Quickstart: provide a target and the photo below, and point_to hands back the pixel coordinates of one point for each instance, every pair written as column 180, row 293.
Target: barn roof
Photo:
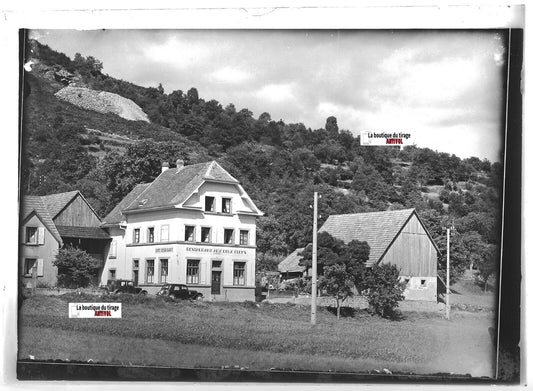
column 291, row 263
column 82, row 232
column 172, row 187
column 55, row 203
column 49, row 206
column 378, row 229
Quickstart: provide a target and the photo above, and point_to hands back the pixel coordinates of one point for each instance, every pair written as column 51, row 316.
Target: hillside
column 280, row 165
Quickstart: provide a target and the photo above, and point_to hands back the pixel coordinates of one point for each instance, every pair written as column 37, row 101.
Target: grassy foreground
column 255, row 336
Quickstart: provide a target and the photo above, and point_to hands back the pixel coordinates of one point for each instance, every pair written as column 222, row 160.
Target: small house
column 290, row 268
column 50, row 222
column 397, row 237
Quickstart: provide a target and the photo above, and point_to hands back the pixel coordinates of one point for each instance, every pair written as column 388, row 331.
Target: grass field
column 255, row 336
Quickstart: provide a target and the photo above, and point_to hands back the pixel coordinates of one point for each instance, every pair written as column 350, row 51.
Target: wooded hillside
column 280, row 165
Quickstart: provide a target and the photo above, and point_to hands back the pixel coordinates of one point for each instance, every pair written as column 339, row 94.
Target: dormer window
column 226, row 205
column 209, row 204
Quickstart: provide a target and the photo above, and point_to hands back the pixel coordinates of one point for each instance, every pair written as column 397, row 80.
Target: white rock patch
column 102, row 102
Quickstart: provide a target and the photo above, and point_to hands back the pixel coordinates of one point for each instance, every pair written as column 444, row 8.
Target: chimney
column 164, row 167
column 179, row 164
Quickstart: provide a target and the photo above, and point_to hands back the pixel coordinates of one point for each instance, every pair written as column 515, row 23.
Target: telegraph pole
column 448, row 273
column 313, row 265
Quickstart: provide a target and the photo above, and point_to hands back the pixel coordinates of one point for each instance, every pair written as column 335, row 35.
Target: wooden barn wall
column 413, row 252
column 77, row 214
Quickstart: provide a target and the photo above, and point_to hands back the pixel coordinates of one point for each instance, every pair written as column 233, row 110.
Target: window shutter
column 40, row 235
column 40, row 267
column 113, row 249
column 202, row 271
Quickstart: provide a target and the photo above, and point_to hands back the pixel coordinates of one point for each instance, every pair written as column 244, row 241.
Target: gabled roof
column 49, row 206
column 55, row 203
column 116, row 216
column 173, row 187
column 35, row 205
column 291, row 263
column 378, row 229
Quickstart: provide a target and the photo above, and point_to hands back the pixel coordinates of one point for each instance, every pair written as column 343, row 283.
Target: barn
column 50, row 222
column 397, row 237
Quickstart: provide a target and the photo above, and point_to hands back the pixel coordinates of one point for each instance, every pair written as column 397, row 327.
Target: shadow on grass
column 350, row 312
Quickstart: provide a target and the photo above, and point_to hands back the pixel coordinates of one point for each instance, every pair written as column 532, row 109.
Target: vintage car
column 123, row 286
column 179, row 291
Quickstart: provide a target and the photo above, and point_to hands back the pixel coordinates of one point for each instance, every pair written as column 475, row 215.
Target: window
column 189, row 233
column 149, row 271
column 228, row 236
column 31, row 235
column 243, row 237
column 226, row 205
column 164, row 270
column 238, row 273
column 112, row 274
column 136, row 235
column 193, row 268
column 113, row 249
column 164, row 233
column 29, row 265
column 32, row 265
column 206, row 235
column 209, row 204
column 150, row 234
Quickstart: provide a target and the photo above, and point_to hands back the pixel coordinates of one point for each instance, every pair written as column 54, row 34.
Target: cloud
column 177, row 52
column 276, row 92
column 229, row 75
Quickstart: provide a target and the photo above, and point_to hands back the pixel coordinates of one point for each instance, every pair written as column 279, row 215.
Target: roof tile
column 378, row 229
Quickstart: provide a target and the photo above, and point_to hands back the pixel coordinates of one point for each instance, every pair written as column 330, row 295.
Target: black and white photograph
column 270, row 205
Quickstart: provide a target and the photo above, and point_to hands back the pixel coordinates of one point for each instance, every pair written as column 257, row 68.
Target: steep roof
column 116, row 216
column 55, row 203
column 35, row 204
column 378, row 229
column 290, row 264
column 174, row 186
column 49, row 206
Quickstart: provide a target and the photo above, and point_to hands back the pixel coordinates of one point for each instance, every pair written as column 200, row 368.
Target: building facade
column 50, row 222
column 192, row 225
column 396, row 237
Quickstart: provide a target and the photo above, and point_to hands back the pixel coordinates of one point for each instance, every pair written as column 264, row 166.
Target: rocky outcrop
column 102, row 102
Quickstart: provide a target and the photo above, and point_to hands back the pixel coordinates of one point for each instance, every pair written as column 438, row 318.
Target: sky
column 445, row 88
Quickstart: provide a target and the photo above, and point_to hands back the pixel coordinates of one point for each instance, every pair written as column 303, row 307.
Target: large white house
column 193, row 225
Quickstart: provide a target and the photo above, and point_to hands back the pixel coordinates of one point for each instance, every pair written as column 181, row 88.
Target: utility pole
column 448, row 273
column 313, row 265
column 448, row 229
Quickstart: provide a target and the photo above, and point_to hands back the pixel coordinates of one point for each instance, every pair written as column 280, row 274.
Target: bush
column 75, row 268
column 383, row 289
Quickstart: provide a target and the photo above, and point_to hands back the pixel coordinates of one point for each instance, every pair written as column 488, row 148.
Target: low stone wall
column 62, row 291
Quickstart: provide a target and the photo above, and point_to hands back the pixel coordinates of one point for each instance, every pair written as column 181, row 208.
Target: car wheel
column 144, row 293
column 199, row 298
column 118, row 292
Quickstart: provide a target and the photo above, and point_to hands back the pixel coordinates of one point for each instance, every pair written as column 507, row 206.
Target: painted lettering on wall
column 215, row 250
column 164, row 250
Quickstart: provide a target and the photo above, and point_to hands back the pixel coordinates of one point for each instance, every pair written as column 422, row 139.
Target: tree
column 338, row 282
column 383, row 289
column 75, row 267
column 488, row 265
